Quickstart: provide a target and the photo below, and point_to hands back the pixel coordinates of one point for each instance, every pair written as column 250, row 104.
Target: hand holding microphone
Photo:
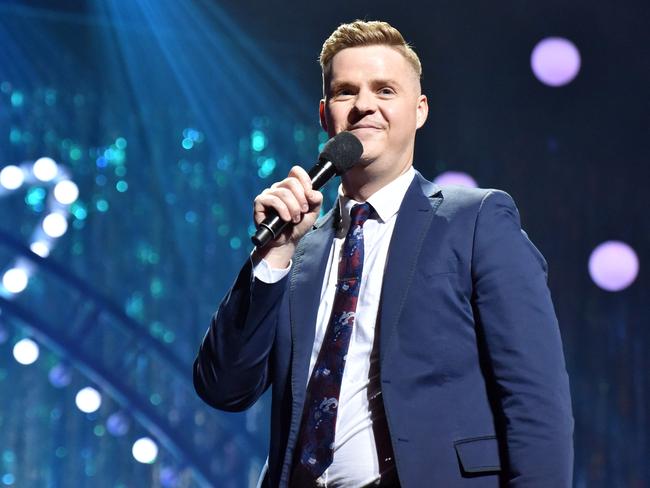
column 284, row 212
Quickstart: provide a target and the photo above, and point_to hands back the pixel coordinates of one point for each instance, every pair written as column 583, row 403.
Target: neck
column 360, row 182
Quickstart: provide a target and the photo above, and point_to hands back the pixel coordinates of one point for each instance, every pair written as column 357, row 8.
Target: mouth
column 364, row 127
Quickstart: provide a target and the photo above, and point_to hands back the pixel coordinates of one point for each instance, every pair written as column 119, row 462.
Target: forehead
column 356, row 64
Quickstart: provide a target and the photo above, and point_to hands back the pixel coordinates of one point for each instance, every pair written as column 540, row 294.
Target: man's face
column 373, row 92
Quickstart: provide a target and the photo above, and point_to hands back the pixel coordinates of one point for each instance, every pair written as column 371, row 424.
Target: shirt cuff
column 263, row 271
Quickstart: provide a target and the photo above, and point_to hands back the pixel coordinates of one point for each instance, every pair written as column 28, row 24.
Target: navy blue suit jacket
column 472, row 371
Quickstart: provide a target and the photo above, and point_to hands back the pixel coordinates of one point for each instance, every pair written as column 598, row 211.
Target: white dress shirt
column 355, row 462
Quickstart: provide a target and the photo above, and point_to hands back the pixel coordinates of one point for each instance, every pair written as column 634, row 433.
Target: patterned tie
column 316, row 440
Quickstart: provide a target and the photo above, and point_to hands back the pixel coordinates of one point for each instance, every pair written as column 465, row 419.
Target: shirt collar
column 385, row 201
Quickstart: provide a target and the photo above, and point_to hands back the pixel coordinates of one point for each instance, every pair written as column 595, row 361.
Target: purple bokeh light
column 60, row 376
column 613, row 265
column 455, row 178
column 118, row 424
column 169, row 477
column 555, row 61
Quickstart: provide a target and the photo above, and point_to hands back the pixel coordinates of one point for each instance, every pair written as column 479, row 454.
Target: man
column 408, row 335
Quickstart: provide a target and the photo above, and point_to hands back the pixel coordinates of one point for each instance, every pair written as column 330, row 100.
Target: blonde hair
column 367, row 33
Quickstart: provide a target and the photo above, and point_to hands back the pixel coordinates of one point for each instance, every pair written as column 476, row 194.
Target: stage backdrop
column 135, row 134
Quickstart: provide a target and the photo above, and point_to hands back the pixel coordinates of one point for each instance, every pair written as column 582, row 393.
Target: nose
column 365, row 102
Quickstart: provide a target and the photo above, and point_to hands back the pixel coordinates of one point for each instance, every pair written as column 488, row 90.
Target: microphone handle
column 272, row 226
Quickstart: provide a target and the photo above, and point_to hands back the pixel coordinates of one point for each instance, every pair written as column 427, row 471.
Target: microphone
column 340, row 154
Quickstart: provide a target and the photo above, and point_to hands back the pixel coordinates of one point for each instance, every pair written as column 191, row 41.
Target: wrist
column 277, row 257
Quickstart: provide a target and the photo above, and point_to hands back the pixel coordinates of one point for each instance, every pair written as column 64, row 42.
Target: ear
column 422, row 111
column 321, row 113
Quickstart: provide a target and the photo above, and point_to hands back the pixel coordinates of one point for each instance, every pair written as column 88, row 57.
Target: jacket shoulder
column 456, row 198
column 460, row 200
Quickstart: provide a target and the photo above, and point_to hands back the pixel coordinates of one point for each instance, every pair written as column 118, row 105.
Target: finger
column 315, row 198
column 290, row 200
column 298, row 191
column 266, row 201
column 303, row 177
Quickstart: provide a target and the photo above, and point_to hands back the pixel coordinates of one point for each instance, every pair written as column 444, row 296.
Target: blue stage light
column 60, row 376
column 118, row 424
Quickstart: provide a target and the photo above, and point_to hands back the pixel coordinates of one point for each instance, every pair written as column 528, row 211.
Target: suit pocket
column 478, row 454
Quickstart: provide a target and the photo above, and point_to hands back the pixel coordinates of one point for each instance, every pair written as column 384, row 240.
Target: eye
column 386, row 90
column 343, row 92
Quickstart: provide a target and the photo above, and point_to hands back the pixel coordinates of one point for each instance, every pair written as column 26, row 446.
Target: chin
column 367, row 160
column 371, row 150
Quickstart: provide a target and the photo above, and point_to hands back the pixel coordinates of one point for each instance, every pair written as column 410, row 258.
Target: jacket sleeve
column 519, row 329
column 231, row 370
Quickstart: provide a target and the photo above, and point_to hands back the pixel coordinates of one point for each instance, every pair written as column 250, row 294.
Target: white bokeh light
column 15, row 280
column 11, row 177
column 55, row 225
column 613, row 265
column 66, row 192
column 26, row 351
column 45, row 169
column 88, row 400
column 41, row 248
column 555, row 61
column 145, row 450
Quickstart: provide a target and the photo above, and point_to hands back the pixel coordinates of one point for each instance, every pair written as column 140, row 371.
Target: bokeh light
column 555, row 61
column 66, row 192
column 145, row 450
column 455, row 178
column 26, row 351
column 15, row 280
column 88, row 400
column 118, row 424
column 613, row 265
column 55, row 224
column 8, row 479
column 45, row 169
column 258, row 140
column 60, row 376
column 11, row 177
column 169, row 477
column 41, row 248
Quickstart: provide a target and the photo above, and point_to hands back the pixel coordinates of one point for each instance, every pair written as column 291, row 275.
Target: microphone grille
column 343, row 151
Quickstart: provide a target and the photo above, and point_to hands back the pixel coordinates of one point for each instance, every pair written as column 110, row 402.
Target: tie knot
column 359, row 214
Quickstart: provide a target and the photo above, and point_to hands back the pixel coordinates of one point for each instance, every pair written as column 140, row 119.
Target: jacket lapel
column 413, row 221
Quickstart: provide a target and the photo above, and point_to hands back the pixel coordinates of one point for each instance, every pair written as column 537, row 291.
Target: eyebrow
column 337, row 85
